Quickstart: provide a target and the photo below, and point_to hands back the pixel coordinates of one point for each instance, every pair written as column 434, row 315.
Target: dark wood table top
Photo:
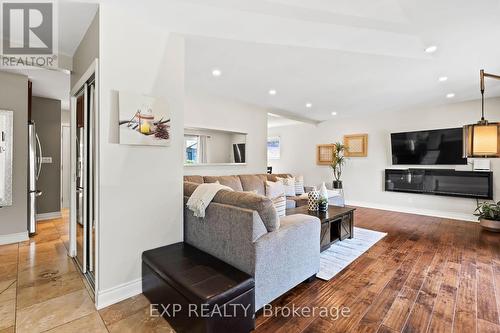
column 332, row 213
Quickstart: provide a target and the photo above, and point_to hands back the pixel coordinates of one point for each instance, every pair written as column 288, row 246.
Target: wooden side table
column 337, row 223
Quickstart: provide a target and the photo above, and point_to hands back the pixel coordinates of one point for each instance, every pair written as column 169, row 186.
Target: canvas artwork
column 144, row 120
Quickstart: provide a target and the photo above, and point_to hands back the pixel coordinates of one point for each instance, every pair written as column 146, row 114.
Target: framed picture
column 143, row 120
column 273, row 148
column 357, row 145
column 324, row 154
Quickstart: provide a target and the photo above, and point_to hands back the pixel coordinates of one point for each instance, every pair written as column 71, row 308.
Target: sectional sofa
column 241, row 227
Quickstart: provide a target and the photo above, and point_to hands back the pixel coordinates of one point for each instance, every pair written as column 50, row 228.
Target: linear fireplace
column 465, row 184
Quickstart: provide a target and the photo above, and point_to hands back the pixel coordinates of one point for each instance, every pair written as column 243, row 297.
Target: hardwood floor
column 427, row 275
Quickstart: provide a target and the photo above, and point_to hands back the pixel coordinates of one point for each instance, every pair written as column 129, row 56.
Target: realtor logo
column 28, row 33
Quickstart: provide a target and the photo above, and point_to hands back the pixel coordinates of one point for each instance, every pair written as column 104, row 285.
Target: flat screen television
column 433, row 147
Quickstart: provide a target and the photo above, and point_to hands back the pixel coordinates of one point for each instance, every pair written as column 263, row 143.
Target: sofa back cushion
column 274, row 176
column 264, row 206
column 230, row 181
column 194, row 179
column 253, row 183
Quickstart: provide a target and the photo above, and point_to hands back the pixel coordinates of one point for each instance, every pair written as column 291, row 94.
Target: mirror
column 203, row 146
column 6, row 118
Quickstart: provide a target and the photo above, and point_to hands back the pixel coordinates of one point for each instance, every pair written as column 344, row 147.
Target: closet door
column 81, row 180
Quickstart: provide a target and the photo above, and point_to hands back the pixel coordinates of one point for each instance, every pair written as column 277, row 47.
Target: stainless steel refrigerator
column 34, row 169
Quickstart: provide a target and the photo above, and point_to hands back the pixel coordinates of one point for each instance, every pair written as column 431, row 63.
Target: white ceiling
column 274, row 120
column 74, row 20
column 347, row 56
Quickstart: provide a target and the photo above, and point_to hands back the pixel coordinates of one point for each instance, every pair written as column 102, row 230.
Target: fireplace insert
column 465, row 184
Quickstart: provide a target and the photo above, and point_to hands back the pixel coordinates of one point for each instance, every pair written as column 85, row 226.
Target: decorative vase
column 337, row 184
column 323, row 192
column 323, row 206
column 490, row 225
column 313, row 197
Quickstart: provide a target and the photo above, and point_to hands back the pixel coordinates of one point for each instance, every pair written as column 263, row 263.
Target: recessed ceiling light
column 272, row 92
column 309, row 105
column 431, row 49
column 443, row 78
column 450, row 95
column 334, row 113
column 216, row 72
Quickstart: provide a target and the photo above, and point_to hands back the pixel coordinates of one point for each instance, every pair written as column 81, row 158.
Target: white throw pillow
column 274, row 189
column 299, row 185
column 289, row 185
column 280, row 205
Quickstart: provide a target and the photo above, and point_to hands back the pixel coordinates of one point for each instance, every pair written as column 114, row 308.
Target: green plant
column 338, row 159
column 322, row 201
column 488, row 210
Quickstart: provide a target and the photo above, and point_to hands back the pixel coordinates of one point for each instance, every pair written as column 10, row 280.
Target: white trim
column 213, row 164
column 97, row 175
column 84, row 78
column 61, row 165
column 48, row 216
column 14, row 238
column 118, row 293
column 412, row 210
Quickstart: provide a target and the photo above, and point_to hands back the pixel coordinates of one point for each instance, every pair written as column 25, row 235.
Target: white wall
column 364, row 177
column 208, row 111
column 140, row 187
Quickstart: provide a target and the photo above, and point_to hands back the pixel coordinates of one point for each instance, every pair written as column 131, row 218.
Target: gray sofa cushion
column 253, row 183
column 230, row 181
column 274, row 177
column 194, row 179
column 264, row 206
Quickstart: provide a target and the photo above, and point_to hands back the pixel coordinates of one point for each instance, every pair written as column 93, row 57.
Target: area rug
column 342, row 253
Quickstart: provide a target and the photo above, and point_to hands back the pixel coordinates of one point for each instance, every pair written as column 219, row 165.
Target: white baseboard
column 411, row 210
column 118, row 293
column 48, row 216
column 14, row 238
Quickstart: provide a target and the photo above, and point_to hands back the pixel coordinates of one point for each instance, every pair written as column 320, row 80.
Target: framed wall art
column 357, row 145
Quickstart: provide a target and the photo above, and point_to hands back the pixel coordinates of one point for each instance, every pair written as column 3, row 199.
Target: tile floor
column 41, row 290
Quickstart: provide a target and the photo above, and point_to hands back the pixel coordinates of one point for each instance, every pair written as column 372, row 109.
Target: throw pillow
column 274, row 189
column 299, row 185
column 280, row 205
column 289, row 185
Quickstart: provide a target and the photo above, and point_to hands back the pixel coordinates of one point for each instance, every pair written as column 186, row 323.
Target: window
column 273, row 148
column 191, row 144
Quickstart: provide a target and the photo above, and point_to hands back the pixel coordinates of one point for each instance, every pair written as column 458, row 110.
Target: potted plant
column 489, row 215
column 338, row 161
column 322, row 204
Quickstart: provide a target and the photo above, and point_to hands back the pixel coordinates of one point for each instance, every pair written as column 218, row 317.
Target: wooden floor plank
column 444, row 309
column 465, row 310
column 486, row 300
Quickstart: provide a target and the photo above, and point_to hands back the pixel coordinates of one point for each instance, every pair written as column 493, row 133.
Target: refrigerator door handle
column 39, row 158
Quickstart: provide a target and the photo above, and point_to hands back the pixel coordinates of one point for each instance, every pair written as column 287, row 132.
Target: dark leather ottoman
column 196, row 292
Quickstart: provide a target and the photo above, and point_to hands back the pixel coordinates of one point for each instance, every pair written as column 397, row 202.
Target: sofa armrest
column 287, row 256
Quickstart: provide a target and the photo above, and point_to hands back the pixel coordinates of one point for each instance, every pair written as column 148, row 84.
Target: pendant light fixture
column 483, row 138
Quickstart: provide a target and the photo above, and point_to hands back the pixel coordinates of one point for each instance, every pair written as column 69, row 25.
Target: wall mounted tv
column 433, row 147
